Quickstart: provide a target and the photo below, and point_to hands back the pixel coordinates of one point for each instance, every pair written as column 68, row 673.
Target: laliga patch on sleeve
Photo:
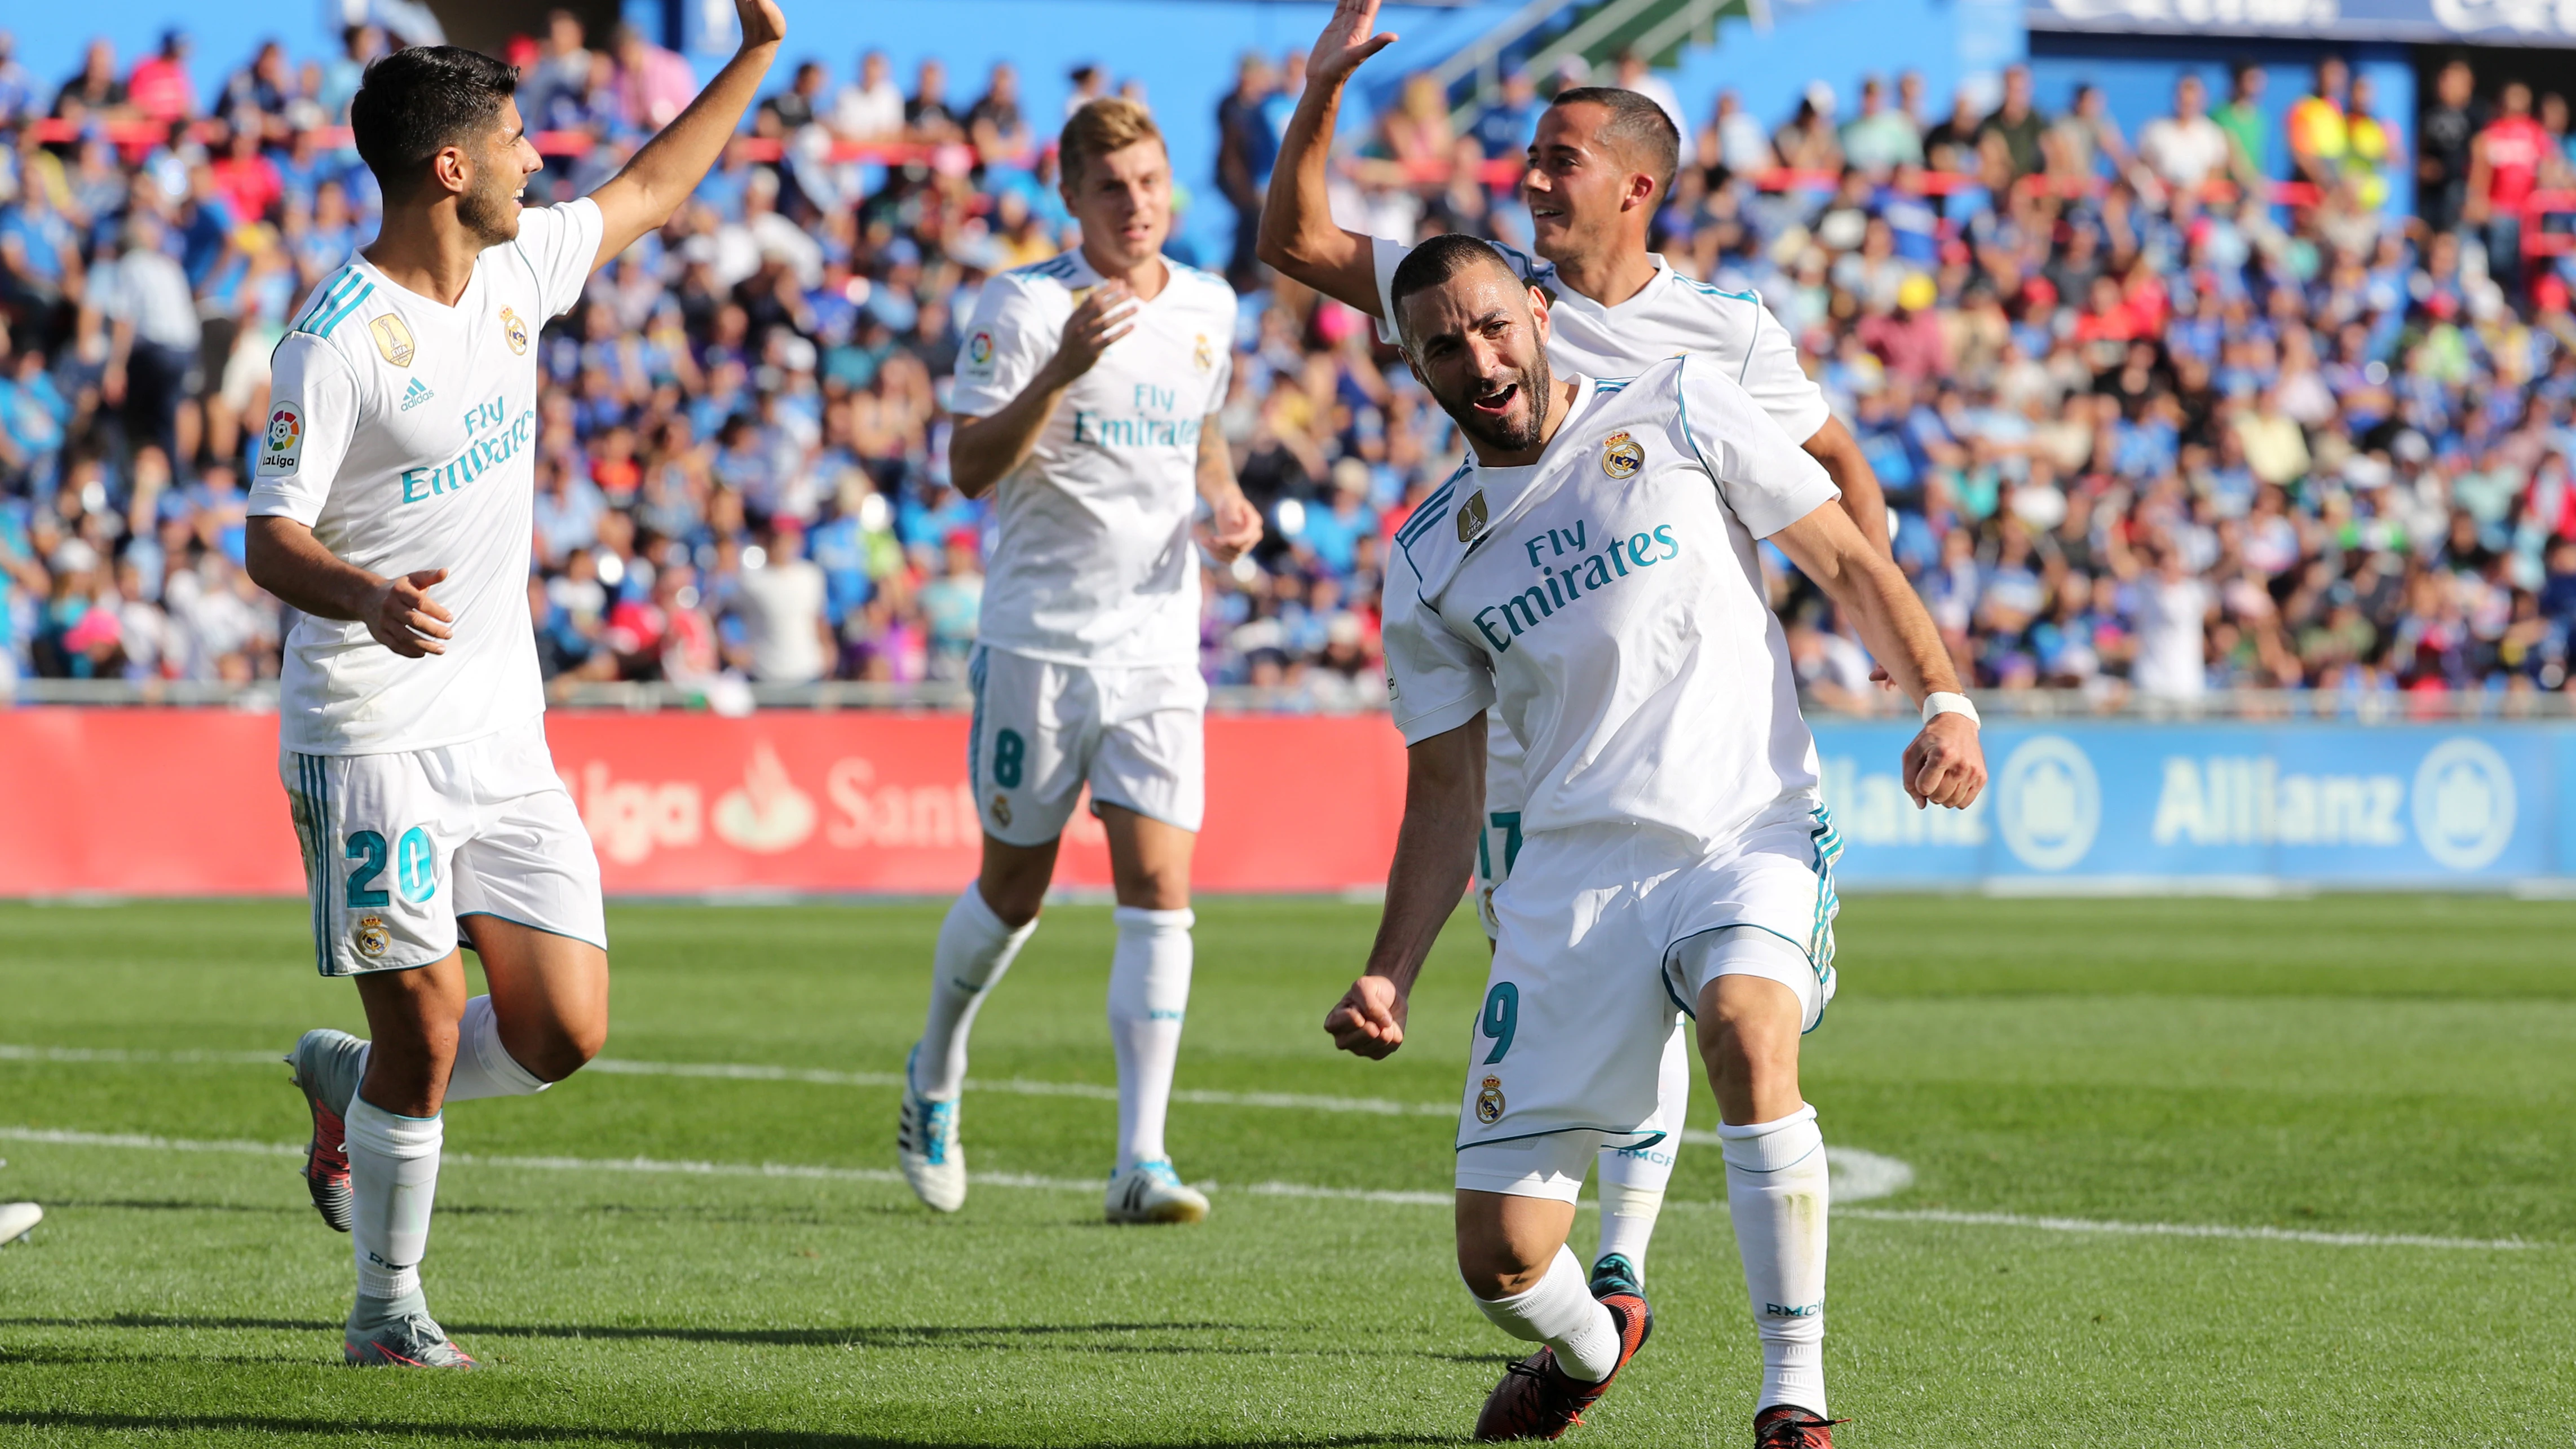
column 281, row 446
column 977, row 360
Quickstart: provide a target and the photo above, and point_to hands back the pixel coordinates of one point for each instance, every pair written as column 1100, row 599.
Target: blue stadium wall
column 2087, row 807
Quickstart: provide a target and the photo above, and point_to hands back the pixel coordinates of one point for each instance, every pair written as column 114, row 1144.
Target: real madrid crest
column 393, row 339
column 371, row 938
column 1621, row 455
column 1489, row 1102
column 1002, row 809
column 1204, row 355
column 514, row 331
column 1472, row 516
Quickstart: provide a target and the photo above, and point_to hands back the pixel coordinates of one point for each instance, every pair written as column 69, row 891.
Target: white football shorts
column 1042, row 730
column 1608, row 936
column 398, row 846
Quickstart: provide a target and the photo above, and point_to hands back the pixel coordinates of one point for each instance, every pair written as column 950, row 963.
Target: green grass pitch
column 2393, row 1070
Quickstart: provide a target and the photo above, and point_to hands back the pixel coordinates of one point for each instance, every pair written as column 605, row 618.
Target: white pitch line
column 2189, row 1230
column 758, row 1072
column 61, row 1137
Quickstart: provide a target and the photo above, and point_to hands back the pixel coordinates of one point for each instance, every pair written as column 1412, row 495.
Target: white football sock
column 393, row 1173
column 1562, row 1313
column 1633, row 1178
column 1776, row 1193
column 1149, row 994
column 975, row 948
column 484, row 1067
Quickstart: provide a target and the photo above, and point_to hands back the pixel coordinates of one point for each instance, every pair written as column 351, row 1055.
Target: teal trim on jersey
column 1425, row 515
column 1604, row 386
column 316, row 875
column 328, row 297
column 524, row 925
column 1681, row 400
column 1711, row 289
column 323, row 328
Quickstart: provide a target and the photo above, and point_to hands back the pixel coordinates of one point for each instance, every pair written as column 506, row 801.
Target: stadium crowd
column 2157, row 414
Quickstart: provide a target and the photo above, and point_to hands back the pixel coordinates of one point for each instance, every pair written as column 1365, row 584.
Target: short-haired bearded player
column 1086, row 399
column 1601, row 164
column 1591, row 575
column 390, row 504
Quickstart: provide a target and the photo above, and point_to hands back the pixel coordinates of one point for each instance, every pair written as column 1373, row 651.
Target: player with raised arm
column 391, row 505
column 1601, row 164
column 1591, row 575
column 1086, row 399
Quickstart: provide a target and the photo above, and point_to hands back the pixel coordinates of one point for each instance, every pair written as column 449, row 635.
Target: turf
column 2374, row 1066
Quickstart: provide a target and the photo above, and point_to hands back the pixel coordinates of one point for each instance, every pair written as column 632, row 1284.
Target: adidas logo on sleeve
column 416, row 394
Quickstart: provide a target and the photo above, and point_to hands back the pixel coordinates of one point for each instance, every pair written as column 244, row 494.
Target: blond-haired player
column 1085, row 397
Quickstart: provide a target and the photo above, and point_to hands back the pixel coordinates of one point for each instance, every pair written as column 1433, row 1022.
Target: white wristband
column 1949, row 704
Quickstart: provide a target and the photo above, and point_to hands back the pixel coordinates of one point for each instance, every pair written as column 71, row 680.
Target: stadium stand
column 2157, row 418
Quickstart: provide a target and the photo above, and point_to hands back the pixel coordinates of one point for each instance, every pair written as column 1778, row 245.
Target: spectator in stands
column 2504, row 169
column 160, row 89
column 2374, row 147
column 653, row 84
column 797, row 107
column 2184, row 151
column 994, row 123
column 153, row 336
column 1245, row 150
column 2450, row 128
column 1634, row 74
column 1089, row 83
column 2086, row 141
column 871, row 107
column 1881, row 138
column 778, row 602
column 2243, row 120
column 1808, row 142
column 2319, row 136
column 1504, row 128
column 17, row 85
column 1734, row 138
column 926, row 116
column 2018, row 124
column 93, row 90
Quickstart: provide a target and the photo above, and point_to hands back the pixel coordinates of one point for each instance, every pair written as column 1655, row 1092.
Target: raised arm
column 1945, row 765
column 1297, row 231
column 659, row 177
column 1435, row 847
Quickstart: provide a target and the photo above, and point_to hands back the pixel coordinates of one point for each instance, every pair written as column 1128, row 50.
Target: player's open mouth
column 1496, row 403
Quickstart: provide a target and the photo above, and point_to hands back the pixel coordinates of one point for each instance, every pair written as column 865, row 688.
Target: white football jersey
column 1607, row 600
column 1095, row 563
column 1670, row 317
column 403, row 433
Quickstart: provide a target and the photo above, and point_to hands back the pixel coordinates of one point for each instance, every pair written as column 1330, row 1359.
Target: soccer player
column 18, row 1219
column 1086, row 398
column 1591, row 574
column 390, row 505
column 1601, row 163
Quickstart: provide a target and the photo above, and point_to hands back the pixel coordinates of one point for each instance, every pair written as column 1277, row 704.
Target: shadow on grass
column 340, row 1430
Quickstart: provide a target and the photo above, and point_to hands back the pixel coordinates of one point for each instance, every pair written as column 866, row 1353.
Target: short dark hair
column 1638, row 127
column 1435, row 262
column 415, row 103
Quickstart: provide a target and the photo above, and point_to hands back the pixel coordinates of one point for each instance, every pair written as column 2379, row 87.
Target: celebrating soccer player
column 1591, row 574
column 1600, row 166
column 1086, row 396
column 391, row 506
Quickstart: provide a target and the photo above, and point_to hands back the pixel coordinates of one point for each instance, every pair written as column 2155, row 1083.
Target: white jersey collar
column 1502, row 494
column 1564, row 294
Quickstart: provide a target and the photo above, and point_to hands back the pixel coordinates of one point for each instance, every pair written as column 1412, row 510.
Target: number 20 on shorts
column 1501, row 1017
column 415, row 868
